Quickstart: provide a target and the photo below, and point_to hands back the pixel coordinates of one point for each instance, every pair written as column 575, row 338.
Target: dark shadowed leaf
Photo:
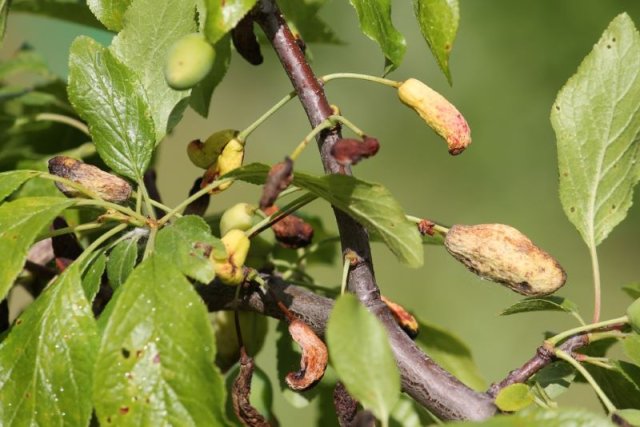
column 122, row 260
column 202, row 92
column 46, row 361
column 93, row 276
column 155, row 363
column 596, row 119
column 10, row 181
column 555, row 378
column 361, row 355
column 223, row 16
column 621, row 384
column 68, row 10
column 20, row 223
column 303, row 16
column 110, row 12
column 632, row 289
column 438, row 21
column 109, row 97
column 546, row 418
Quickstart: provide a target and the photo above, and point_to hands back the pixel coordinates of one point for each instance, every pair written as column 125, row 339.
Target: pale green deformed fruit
column 205, row 154
column 189, row 60
column 238, row 217
column 633, row 313
column 502, row 254
column 441, row 115
column 230, row 267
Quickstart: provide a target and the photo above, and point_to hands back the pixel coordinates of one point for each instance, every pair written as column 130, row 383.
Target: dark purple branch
column 422, row 378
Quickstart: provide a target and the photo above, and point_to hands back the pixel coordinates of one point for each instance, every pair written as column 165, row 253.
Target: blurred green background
column 509, row 61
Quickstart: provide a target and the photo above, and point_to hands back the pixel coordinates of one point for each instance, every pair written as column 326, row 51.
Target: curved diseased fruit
column 230, row 267
column 205, row 154
column 104, row 185
column 239, row 217
column 189, row 60
column 314, row 356
column 230, row 158
column 440, row 114
column 502, row 254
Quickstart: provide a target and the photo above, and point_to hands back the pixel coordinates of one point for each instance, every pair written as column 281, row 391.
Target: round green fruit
column 238, row 217
column 189, row 60
column 633, row 313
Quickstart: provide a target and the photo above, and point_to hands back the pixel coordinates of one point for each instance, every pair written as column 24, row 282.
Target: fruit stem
column 52, row 117
column 148, row 249
column 157, row 204
column 147, row 200
column 268, row 221
column 72, row 229
column 587, row 376
column 595, row 267
column 242, row 136
column 358, row 76
column 566, row 334
column 346, row 260
column 176, row 211
column 100, row 240
column 329, row 122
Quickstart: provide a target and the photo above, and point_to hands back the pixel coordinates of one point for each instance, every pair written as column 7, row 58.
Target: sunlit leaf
column 548, row 303
column 361, row 355
column 10, row 181
column 110, row 12
column 631, row 345
column 46, row 361
column 109, row 97
column 514, row 397
column 223, row 16
column 438, row 21
column 122, row 260
column 155, row 363
column 596, row 118
column 20, row 223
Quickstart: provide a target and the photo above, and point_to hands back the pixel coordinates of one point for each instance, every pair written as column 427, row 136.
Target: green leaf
column 514, row 397
column 186, row 244
column 20, row 223
column 375, row 23
column 372, row 205
column 202, row 92
column 142, row 46
column 438, row 21
column 92, row 278
column 68, row 10
column 549, row 303
column 10, row 181
column 632, row 289
column 155, row 367
column 223, row 16
column 596, row 118
column 4, row 12
column 361, row 355
column 451, row 353
column 109, row 97
column 303, row 15
column 47, row 359
column 632, row 416
column 122, row 260
column 110, row 12
column 25, row 61
column 621, row 384
column 631, row 345
column 407, row 413
column 547, row 418
column 555, row 378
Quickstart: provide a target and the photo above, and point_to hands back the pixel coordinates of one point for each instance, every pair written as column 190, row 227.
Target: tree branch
column 422, row 378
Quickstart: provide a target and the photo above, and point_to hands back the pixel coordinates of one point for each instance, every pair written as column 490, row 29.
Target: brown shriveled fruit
column 104, row 185
column 502, row 254
column 403, row 318
column 279, row 178
column 291, row 231
column 349, row 151
column 314, row 357
column 345, row 405
column 241, row 392
column 246, row 42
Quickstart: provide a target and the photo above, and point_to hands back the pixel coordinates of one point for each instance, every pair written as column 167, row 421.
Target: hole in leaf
column 572, row 209
column 608, row 46
column 125, row 353
column 139, row 353
column 613, row 207
column 109, row 420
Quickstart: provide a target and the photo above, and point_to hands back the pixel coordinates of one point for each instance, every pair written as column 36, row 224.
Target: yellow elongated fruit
column 633, row 313
column 442, row 116
column 205, row 154
column 229, row 268
column 239, row 216
column 188, row 61
column 502, row 254
column 230, row 158
column 104, row 185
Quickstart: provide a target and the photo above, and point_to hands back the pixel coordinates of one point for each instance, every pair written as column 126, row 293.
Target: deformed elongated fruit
column 188, row 61
column 239, row 216
column 230, row 158
column 205, row 154
column 104, row 185
column 442, row 116
column 633, row 313
column 230, row 267
column 502, row 254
